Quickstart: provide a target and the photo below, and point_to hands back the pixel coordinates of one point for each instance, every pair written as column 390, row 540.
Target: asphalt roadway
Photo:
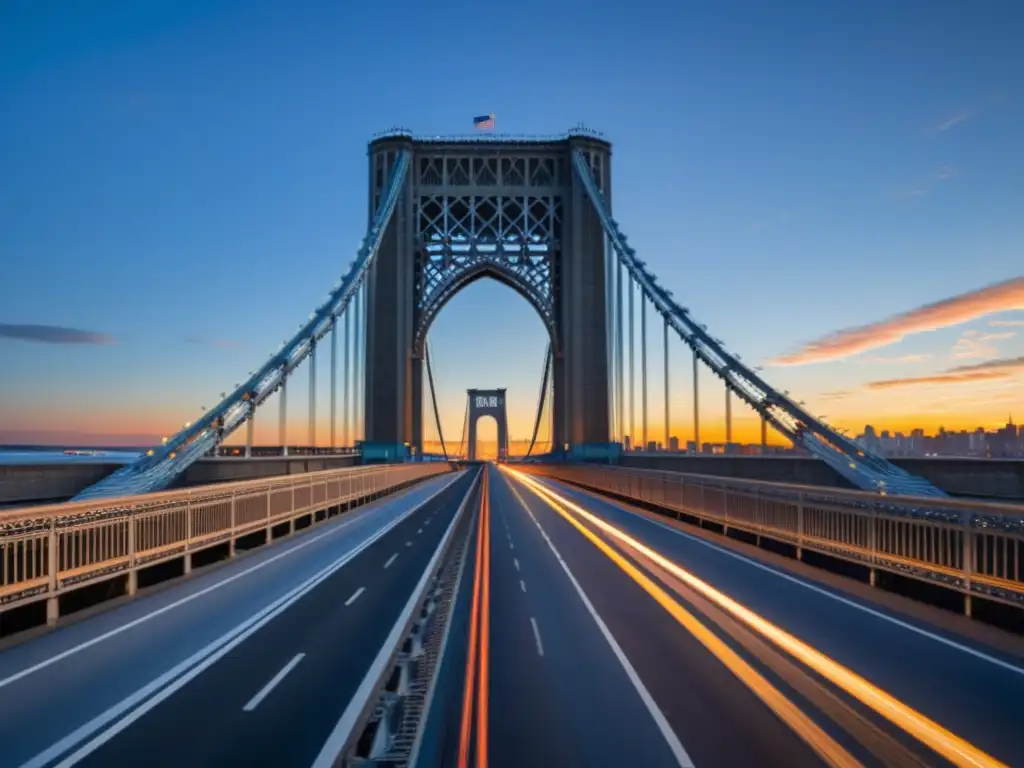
column 592, row 666
column 250, row 664
column 591, row 633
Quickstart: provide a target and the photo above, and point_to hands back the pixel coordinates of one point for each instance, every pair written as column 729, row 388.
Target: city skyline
column 184, row 182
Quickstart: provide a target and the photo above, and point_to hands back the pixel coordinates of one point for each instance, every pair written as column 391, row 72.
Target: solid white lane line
column 536, row 636
column 829, row 594
column 391, row 560
column 180, row 675
column 676, row 746
column 515, row 561
column 255, row 700
column 344, row 727
column 522, row 585
column 205, row 591
column 355, row 596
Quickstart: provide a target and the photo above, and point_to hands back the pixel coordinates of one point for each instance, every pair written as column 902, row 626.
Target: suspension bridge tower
column 487, row 402
column 509, row 209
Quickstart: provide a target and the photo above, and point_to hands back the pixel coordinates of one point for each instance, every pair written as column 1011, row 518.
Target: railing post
column 291, row 508
column 270, row 499
column 133, row 574
column 968, row 555
column 800, row 525
column 234, row 524
column 53, row 564
column 725, row 511
column 758, row 520
column 188, row 536
column 873, row 543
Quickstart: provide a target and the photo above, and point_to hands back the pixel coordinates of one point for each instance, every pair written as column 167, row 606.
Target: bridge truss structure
column 162, row 465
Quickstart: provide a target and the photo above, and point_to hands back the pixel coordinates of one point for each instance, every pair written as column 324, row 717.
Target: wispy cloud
column 1006, row 323
column 53, row 334
column 1003, row 368
column 219, row 343
column 922, row 358
column 953, row 120
column 999, row 297
column 945, row 173
column 975, row 346
column 838, row 394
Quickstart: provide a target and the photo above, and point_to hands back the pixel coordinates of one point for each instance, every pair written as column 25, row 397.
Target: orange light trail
column 934, row 736
column 485, row 624
column 824, row 745
column 467, row 694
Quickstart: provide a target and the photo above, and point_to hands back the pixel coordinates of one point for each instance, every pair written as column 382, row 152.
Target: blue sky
column 196, row 170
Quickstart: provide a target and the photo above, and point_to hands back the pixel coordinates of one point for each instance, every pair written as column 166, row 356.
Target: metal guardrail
column 974, row 548
column 388, row 727
column 50, row 550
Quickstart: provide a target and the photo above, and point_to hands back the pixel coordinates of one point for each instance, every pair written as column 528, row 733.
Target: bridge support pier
column 52, row 610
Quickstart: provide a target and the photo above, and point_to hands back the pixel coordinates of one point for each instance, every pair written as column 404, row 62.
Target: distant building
column 1005, row 442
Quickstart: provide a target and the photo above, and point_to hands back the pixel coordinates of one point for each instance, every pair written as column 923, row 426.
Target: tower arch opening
column 486, row 335
column 486, row 445
column 512, row 210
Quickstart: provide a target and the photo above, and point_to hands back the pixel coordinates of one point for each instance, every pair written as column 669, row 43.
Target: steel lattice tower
column 515, row 211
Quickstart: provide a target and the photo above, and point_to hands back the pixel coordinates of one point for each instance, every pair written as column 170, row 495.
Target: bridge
column 576, row 607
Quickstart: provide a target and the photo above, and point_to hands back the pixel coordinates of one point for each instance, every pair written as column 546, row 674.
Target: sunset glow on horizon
column 186, row 183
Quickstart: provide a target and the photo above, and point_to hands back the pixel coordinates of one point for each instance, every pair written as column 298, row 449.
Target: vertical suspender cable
column 618, row 351
column 312, row 396
column 282, row 425
column 668, row 417
column 346, row 379
column 334, row 384
column 632, row 377
column 358, row 404
column 433, row 398
column 643, row 370
column 541, row 398
column 465, row 423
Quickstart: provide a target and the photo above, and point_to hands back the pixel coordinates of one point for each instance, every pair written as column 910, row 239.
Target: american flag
column 484, row 123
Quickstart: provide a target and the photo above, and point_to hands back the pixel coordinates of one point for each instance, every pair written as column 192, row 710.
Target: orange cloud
column 923, row 358
column 838, row 394
column 994, row 369
column 999, row 297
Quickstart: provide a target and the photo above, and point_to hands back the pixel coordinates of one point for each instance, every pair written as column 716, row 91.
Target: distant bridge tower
column 487, row 402
column 512, row 210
